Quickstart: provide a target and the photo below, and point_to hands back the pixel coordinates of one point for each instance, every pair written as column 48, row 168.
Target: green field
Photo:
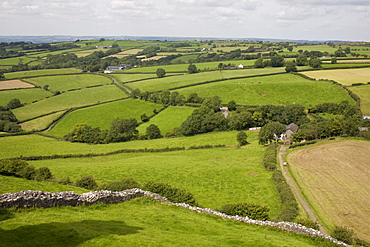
column 189, row 79
column 128, row 43
column 35, row 145
column 68, row 100
column 102, row 115
column 168, row 119
column 68, row 82
column 277, row 90
column 125, row 77
column 41, row 122
column 31, row 73
column 16, row 60
column 364, row 93
column 26, row 96
column 139, row 222
column 214, row 176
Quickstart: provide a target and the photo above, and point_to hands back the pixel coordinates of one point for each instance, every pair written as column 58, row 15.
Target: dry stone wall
column 30, row 198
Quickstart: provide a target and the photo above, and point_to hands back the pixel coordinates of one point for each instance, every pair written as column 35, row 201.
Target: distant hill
column 62, row 38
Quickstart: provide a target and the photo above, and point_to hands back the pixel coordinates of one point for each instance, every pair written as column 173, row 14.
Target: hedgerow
column 253, row 211
column 269, row 159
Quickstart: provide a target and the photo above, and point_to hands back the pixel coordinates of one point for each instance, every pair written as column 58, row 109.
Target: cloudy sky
column 286, row 19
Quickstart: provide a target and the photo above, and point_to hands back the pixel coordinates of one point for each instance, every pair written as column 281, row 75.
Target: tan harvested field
column 335, row 178
column 12, row 84
column 350, row 61
column 153, row 58
column 343, row 76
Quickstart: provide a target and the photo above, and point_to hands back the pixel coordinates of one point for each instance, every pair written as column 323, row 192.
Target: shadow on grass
column 63, row 234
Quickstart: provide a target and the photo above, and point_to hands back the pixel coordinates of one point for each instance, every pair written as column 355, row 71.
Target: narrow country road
column 119, row 85
column 295, row 188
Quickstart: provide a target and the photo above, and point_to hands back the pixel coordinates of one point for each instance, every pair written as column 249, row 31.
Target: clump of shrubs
column 87, row 182
column 171, row 193
column 253, row 211
column 307, row 222
column 20, row 168
column 343, row 234
column 124, row 184
column 269, row 159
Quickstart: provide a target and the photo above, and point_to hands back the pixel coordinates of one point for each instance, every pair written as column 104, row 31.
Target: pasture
column 67, row 82
column 42, row 72
column 276, row 90
column 334, row 178
column 126, row 77
column 26, row 96
column 44, row 146
column 364, row 93
column 168, row 119
column 210, row 175
column 344, row 76
column 14, row 84
column 139, row 222
column 102, row 115
column 158, row 84
column 69, row 100
column 41, row 122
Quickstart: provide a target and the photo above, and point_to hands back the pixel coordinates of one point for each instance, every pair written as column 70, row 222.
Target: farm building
column 103, row 47
column 290, row 129
column 111, row 69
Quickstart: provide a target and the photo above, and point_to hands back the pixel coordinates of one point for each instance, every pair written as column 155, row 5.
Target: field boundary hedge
column 29, row 199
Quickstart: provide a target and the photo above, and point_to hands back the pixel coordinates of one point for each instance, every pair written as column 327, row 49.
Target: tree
column 192, row 69
column 2, row 76
column 241, row 137
column 135, row 93
column 43, row 173
column 290, row 67
column 290, row 48
column 315, row 63
column 343, row 234
column 14, row 103
column 144, row 118
column 277, row 61
column 231, row 105
column 153, row 132
column 270, row 131
column 160, row 72
column 301, row 60
column 334, row 60
column 259, row 63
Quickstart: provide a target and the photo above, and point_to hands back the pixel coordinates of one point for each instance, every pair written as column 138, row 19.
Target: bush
column 124, row 184
column 308, row 223
column 87, row 182
column 65, row 181
column 343, row 234
column 253, row 211
column 43, row 173
column 12, row 167
column 171, row 193
column 28, row 172
column 269, row 159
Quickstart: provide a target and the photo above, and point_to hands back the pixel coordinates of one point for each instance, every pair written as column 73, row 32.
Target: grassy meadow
column 102, row 115
column 339, row 190
column 364, row 93
column 41, row 122
column 42, row 72
column 68, row 100
column 67, row 82
column 139, row 222
column 26, row 96
column 42, row 146
column 276, row 90
column 168, row 119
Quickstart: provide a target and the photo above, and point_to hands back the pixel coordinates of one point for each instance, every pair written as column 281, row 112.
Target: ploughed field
column 335, row 177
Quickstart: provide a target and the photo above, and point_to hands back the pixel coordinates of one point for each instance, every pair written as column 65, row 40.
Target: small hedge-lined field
column 168, row 119
column 26, row 96
column 42, row 72
column 41, row 122
column 68, row 100
column 14, row 84
column 68, row 82
column 210, row 175
column 102, row 115
column 364, row 93
column 334, row 177
column 189, row 79
column 344, row 76
column 276, row 90
column 48, row 146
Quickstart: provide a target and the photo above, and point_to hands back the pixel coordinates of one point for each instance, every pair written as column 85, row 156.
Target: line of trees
column 8, row 121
